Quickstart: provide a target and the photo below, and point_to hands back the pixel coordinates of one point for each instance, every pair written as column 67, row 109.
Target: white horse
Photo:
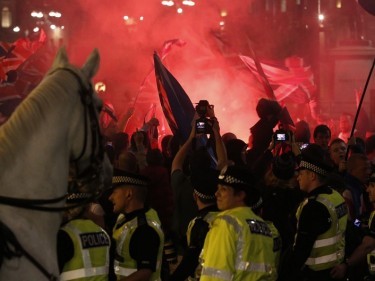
column 54, row 127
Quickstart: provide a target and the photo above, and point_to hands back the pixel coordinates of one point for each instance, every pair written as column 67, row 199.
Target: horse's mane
column 33, row 111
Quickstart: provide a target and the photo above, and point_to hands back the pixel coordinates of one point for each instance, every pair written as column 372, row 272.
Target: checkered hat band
column 127, row 180
column 203, row 196
column 230, row 180
column 78, row 196
column 313, row 168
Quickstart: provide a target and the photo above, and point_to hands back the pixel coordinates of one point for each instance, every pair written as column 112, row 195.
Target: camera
column 201, row 108
column 280, row 136
column 202, row 125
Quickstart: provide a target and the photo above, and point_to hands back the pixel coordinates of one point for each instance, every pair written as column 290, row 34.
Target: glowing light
column 338, row 4
column 168, row 3
column 100, row 87
column 35, row 14
column 130, row 21
column 321, row 17
column 180, row 10
column 188, row 3
column 52, row 26
column 223, row 13
column 36, row 29
column 16, row 29
column 141, row 18
column 62, row 27
column 54, row 14
column 222, row 23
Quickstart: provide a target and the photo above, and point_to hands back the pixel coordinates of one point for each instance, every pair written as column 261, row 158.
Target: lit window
column 6, row 18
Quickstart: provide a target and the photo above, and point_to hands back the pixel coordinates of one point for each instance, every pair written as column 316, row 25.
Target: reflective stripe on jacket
column 123, row 235
column 328, row 249
column 239, row 246
column 91, row 252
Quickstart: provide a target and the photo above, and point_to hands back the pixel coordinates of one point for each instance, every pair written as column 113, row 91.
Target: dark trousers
column 321, row 275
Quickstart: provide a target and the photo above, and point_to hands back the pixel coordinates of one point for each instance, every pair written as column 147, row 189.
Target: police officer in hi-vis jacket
column 240, row 245
column 138, row 234
column 82, row 245
column 319, row 243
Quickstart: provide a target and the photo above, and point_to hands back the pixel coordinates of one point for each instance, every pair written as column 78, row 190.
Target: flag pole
column 360, row 105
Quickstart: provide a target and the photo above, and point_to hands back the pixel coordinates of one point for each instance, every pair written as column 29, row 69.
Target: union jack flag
column 297, row 84
column 12, row 55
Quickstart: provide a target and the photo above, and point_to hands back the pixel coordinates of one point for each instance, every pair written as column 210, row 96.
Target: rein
column 7, row 235
column 37, row 204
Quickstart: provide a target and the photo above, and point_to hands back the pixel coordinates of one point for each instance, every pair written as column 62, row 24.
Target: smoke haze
column 207, row 66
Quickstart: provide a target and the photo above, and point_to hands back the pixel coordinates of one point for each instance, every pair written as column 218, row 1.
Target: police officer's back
column 205, row 186
column 240, row 244
column 82, row 246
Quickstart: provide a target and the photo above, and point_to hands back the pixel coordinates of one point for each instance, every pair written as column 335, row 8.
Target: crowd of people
column 295, row 203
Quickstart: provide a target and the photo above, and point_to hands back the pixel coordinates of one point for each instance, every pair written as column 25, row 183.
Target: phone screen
column 280, row 137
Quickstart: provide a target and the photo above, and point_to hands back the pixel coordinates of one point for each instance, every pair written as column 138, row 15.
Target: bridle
column 93, row 174
column 90, row 174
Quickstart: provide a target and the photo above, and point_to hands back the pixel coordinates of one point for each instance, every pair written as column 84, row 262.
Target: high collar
column 323, row 189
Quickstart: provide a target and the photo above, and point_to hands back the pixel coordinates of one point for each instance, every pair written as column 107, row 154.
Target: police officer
column 365, row 252
column 321, row 222
column 82, row 245
column 205, row 186
column 138, row 235
column 240, row 244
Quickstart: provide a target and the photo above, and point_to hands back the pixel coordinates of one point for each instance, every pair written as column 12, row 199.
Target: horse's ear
column 61, row 58
column 91, row 66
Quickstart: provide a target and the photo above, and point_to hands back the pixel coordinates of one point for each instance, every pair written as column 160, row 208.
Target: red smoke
column 126, row 56
column 207, row 66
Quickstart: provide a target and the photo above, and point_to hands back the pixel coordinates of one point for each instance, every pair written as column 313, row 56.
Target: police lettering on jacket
column 94, row 239
column 259, row 227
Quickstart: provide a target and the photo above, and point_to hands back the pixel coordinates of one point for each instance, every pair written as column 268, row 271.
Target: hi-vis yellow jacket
column 239, row 247
column 123, row 236
column 91, row 252
column 328, row 249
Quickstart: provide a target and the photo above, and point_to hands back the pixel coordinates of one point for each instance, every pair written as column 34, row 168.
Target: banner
column 176, row 104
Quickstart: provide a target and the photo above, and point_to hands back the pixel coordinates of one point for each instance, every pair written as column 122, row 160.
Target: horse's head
column 90, row 170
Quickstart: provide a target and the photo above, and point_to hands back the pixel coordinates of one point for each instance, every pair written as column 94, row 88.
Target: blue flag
column 176, row 104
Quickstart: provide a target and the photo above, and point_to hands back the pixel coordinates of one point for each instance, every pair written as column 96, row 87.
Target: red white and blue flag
column 12, row 55
column 296, row 84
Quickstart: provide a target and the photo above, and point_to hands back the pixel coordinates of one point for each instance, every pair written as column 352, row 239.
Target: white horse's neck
column 36, row 144
column 36, row 170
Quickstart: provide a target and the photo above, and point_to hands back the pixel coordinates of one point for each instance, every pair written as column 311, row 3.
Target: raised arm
column 178, row 160
column 221, row 152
